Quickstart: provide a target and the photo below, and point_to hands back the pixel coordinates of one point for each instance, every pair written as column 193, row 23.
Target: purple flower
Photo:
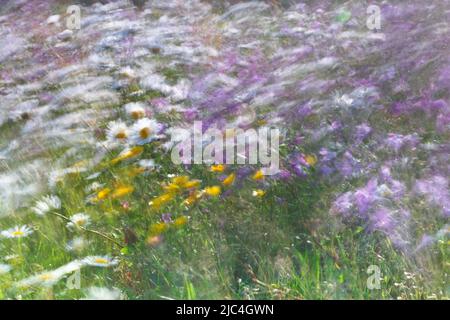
column 436, row 192
column 326, row 170
column 244, row 172
column 444, row 78
column 299, row 164
column 382, row 220
column 362, row 131
column 343, row 204
column 397, row 188
column 397, row 141
column 283, row 175
column 400, row 107
column 326, row 155
column 439, row 105
column 348, row 166
column 425, row 242
column 385, row 173
column 304, row 110
column 190, row 114
column 365, row 197
column 299, row 170
column 166, row 217
column 443, row 123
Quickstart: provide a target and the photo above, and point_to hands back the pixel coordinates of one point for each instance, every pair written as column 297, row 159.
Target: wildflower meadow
column 224, row 149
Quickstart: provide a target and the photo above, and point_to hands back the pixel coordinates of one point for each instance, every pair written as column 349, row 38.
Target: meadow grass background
column 234, row 248
column 287, row 244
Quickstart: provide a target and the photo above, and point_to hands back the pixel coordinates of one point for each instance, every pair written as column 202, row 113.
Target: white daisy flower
column 147, row 164
column 100, row 261
column 79, row 220
column 127, row 72
column 46, row 279
column 94, row 186
column 144, row 131
column 135, row 110
column 77, row 244
column 4, row 268
column 47, row 204
column 101, row 293
column 17, row 232
column 117, row 132
column 49, row 278
column 93, row 176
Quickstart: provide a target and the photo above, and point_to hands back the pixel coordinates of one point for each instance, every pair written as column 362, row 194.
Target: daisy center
column 45, row 276
column 80, row 222
column 101, row 261
column 137, row 114
column 121, row 135
column 144, row 133
column 18, row 233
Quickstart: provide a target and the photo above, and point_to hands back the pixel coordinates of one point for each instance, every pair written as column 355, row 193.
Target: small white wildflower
column 146, row 164
column 144, row 131
column 100, row 261
column 135, row 110
column 49, row 278
column 93, row 176
column 47, row 204
column 79, row 220
column 17, row 232
column 94, row 186
column 117, row 132
column 77, row 244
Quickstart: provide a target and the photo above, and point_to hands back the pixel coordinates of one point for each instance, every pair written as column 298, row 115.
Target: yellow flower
column 213, row 191
column 311, row 159
column 180, row 180
column 229, row 180
column 161, row 200
column 193, row 198
column 259, row 175
column 135, row 171
column 172, row 187
column 122, row 191
column 131, row 153
column 157, row 228
column 258, row 193
column 217, row 168
column 180, row 221
column 102, row 194
column 192, row 184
